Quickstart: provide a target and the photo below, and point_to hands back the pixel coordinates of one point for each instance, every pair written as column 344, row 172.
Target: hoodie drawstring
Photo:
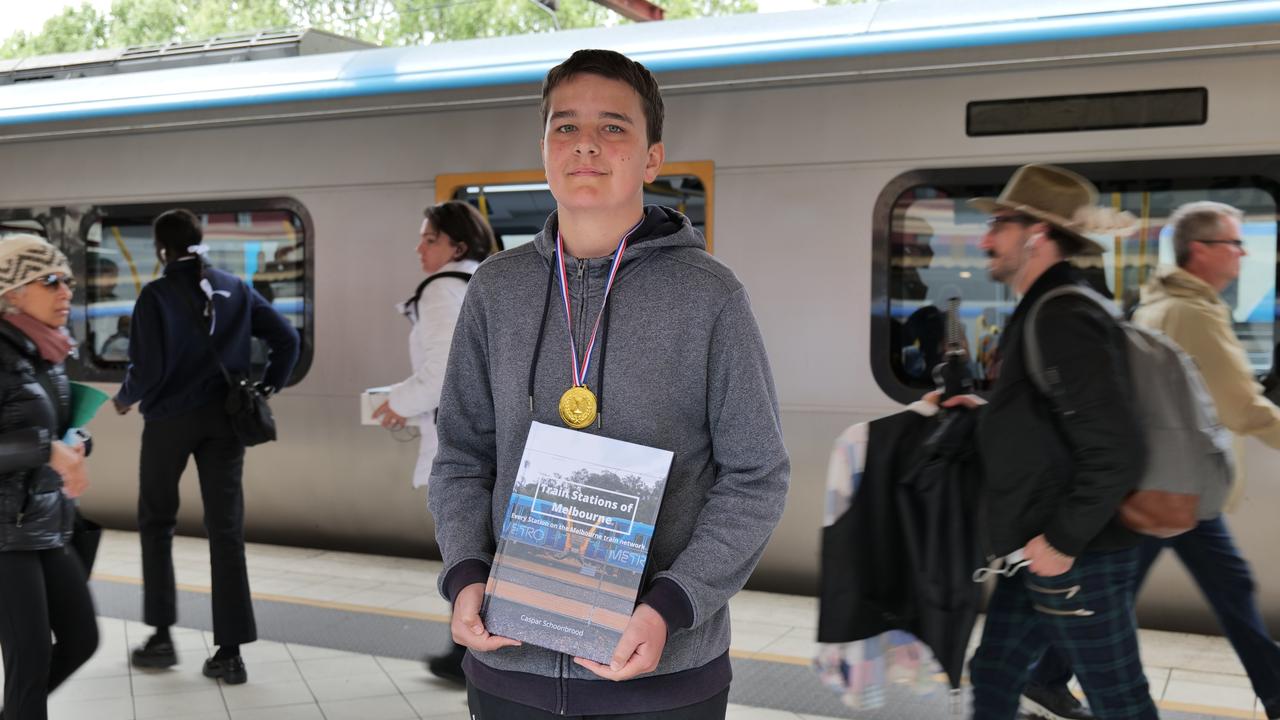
column 537, row 350
column 542, row 329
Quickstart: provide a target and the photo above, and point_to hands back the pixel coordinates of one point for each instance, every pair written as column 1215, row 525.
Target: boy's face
column 595, row 148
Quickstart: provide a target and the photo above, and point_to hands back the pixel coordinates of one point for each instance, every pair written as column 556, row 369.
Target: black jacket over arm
column 1061, row 466
column 35, row 408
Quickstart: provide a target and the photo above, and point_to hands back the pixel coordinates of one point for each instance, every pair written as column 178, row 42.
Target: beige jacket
column 1191, row 313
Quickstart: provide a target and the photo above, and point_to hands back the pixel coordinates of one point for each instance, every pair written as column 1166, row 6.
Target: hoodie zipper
column 561, row 671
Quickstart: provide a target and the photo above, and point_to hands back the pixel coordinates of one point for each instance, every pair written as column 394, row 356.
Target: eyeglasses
column 52, row 280
column 1234, row 242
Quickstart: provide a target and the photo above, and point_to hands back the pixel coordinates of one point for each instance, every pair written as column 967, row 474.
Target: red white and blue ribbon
column 580, row 370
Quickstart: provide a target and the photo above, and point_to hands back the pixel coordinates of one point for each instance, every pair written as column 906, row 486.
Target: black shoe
column 1053, row 703
column 229, row 670
column 155, row 654
column 449, row 665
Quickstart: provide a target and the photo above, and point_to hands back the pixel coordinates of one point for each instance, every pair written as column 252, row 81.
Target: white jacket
column 419, row 394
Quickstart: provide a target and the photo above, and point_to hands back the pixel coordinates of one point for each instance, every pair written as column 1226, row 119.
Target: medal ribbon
column 580, row 374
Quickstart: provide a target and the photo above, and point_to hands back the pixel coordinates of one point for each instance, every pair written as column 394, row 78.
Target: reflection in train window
column 517, row 203
column 934, row 256
column 9, row 227
column 264, row 247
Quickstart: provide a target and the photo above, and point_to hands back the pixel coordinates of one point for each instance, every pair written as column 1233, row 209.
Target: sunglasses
column 1234, row 242
column 52, row 280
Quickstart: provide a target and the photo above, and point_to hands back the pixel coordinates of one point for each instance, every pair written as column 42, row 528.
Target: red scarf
column 54, row 343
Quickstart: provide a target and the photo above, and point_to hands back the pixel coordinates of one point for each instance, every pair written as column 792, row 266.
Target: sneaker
column 1053, row 703
column 229, row 670
column 448, row 666
column 155, row 654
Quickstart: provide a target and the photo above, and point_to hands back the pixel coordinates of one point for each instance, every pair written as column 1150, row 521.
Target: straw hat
column 1061, row 198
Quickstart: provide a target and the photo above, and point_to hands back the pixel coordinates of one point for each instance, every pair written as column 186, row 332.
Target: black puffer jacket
column 35, row 408
column 1061, row 468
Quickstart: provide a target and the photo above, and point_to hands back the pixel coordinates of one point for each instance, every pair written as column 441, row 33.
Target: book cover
column 575, row 541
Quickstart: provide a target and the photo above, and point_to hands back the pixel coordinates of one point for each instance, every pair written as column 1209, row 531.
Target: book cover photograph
column 574, row 541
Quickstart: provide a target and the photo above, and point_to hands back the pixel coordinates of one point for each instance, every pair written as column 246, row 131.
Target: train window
column 927, row 253
column 518, row 203
column 266, row 243
column 1076, row 113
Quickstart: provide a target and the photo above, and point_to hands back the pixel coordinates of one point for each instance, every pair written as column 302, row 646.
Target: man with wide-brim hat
column 1057, row 469
column 1064, row 201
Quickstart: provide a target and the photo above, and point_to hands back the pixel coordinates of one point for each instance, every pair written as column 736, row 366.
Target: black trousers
column 206, row 434
column 42, row 591
column 484, row 706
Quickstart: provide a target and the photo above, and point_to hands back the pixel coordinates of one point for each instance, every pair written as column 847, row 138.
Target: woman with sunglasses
column 453, row 239
column 43, row 588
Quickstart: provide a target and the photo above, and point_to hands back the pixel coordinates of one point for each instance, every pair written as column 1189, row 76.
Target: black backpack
column 411, row 305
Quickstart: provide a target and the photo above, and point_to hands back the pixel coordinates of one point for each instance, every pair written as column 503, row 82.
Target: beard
column 997, row 270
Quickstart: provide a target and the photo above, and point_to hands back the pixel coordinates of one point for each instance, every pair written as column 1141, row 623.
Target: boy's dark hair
column 463, row 224
column 614, row 66
column 175, row 231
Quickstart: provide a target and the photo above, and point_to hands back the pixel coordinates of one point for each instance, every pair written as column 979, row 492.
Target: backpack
column 1189, row 465
column 411, row 305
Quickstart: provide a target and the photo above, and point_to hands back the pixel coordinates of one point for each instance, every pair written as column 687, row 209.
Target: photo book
column 574, row 541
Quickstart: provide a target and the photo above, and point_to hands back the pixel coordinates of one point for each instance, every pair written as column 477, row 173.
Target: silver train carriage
column 826, row 154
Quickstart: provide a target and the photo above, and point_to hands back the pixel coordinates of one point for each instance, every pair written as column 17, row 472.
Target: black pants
column 484, row 706
column 166, row 444
column 42, row 591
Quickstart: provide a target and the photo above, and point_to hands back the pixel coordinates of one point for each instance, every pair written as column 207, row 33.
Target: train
column 825, row 153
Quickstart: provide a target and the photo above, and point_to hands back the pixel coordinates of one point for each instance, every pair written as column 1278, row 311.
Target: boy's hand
column 466, row 625
column 638, row 651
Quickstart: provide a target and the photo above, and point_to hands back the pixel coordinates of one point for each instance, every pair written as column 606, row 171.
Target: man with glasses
column 1184, row 302
column 1056, row 469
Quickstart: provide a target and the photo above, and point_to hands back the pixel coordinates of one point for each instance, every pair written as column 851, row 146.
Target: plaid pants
column 1087, row 614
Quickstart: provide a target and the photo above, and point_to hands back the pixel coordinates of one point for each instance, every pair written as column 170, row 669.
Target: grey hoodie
column 685, row 371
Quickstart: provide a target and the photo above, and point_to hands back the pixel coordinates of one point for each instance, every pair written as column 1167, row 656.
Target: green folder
column 85, row 401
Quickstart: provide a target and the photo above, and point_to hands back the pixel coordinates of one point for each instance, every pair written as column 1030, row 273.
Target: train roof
column 901, row 26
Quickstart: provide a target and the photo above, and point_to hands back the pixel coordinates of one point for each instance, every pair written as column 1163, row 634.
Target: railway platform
column 343, row 635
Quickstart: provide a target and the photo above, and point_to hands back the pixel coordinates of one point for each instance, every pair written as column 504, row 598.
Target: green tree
column 680, row 9
column 74, row 30
column 384, row 22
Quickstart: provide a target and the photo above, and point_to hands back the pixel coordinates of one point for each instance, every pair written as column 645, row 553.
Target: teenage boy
column 686, row 371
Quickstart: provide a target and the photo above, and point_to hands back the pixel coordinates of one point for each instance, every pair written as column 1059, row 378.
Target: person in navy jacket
column 182, row 391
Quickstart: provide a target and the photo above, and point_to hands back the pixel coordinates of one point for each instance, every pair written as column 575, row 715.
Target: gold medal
column 578, row 407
